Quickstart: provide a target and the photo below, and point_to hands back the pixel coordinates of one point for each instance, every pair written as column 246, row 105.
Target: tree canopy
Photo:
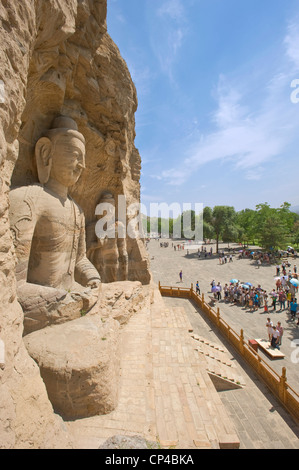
column 271, row 228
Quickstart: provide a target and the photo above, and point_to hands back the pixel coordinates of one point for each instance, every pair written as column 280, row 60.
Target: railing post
column 159, row 286
column 282, row 385
column 259, row 364
column 242, row 342
column 218, row 316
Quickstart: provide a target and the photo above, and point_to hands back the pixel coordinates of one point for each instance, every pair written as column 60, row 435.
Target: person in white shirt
column 275, row 338
column 269, row 326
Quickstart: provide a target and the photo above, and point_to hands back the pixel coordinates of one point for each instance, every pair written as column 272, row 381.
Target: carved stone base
column 79, row 363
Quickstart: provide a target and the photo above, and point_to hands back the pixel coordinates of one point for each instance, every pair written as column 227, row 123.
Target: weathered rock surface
column 121, row 300
column 79, row 363
column 57, row 58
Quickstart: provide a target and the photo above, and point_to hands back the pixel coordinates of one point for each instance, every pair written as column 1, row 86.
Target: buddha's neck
column 59, row 189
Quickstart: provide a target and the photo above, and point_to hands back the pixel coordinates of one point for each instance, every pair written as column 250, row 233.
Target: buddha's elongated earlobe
column 43, row 157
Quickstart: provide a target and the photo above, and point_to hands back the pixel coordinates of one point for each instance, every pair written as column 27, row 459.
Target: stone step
column 208, row 343
column 218, row 365
column 225, row 373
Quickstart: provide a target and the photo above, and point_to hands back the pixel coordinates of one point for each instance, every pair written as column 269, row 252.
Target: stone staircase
column 165, row 393
column 220, row 368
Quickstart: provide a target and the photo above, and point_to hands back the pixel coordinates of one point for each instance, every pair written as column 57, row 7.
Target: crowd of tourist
column 255, row 297
column 281, row 298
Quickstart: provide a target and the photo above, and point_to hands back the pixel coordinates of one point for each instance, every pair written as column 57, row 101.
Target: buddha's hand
column 94, row 283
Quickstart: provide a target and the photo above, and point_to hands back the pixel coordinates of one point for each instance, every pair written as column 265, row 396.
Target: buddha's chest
column 57, row 226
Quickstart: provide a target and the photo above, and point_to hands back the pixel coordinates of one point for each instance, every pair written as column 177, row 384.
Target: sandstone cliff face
column 57, row 58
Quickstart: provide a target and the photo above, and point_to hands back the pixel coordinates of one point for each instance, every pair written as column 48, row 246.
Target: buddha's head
column 107, row 202
column 60, row 153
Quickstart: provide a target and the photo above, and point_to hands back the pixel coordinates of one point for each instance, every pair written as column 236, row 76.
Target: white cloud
column 243, row 136
column 168, row 32
column 172, row 9
column 292, row 43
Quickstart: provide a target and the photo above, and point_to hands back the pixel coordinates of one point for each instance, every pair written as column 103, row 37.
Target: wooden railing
column 277, row 384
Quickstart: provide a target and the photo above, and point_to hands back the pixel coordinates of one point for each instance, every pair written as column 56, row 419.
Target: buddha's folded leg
column 44, row 306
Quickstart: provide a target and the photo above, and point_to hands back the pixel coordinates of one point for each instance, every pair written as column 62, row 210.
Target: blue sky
column 215, row 122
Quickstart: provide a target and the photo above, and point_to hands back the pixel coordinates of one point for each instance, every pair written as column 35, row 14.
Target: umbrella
column 234, row 281
column 245, row 286
column 294, row 282
column 248, row 284
column 215, row 289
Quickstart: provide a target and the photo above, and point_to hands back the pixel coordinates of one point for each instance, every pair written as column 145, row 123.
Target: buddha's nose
column 81, row 166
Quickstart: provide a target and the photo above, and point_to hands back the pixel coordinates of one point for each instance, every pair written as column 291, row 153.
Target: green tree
column 188, row 224
column 224, row 223
column 246, row 220
column 208, row 229
column 272, row 227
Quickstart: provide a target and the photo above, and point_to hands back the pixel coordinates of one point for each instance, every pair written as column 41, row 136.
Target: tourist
column 275, row 338
column 274, row 299
column 277, row 270
column 280, row 330
column 255, row 301
column 282, row 299
column 197, row 288
column 181, row 276
column 225, row 290
column 289, row 298
column 293, row 309
column 278, row 284
column 219, row 291
column 269, row 326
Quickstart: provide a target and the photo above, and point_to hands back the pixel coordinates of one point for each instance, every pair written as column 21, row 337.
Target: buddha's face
column 68, row 160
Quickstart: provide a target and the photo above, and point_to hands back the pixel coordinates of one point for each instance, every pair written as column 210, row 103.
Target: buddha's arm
column 85, row 273
column 121, row 242
column 22, row 223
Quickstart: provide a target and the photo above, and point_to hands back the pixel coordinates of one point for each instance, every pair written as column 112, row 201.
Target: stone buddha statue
column 55, row 280
column 108, row 248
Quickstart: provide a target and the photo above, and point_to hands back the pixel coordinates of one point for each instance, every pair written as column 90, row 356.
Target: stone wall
column 57, row 58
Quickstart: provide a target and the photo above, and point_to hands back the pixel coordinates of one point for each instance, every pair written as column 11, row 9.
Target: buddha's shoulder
column 24, row 192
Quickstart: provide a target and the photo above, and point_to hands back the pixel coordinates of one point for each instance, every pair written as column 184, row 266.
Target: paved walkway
column 260, row 420
column 165, row 393
column 166, row 265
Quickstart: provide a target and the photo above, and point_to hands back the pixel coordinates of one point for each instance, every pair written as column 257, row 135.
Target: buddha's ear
column 43, row 149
